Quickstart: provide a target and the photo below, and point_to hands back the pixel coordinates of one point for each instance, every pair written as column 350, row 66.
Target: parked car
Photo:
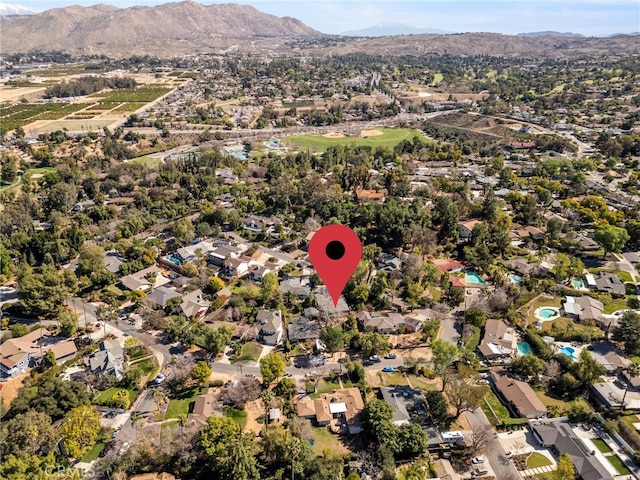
column 390, row 356
column 125, row 447
column 374, row 358
column 479, row 471
column 477, row 460
column 388, row 369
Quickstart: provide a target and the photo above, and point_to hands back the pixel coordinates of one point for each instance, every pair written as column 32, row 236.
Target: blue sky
column 588, row 17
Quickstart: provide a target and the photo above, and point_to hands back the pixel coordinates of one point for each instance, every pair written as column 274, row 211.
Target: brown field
column 9, row 389
column 370, row 133
column 334, row 135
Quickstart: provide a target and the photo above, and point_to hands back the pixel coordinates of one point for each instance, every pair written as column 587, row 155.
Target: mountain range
column 188, row 27
column 389, row 29
column 8, row 9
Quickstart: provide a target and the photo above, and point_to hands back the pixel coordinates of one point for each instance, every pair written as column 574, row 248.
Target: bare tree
column 481, row 436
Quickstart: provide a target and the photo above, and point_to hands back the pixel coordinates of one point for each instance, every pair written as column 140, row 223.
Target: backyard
column 180, row 404
column 325, row 440
column 536, row 460
column 239, row 416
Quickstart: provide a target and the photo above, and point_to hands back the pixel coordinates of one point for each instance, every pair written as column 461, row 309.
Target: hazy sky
column 589, row 17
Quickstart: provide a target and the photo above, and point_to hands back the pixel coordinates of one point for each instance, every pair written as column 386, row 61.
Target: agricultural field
column 380, row 137
column 143, row 95
column 26, row 113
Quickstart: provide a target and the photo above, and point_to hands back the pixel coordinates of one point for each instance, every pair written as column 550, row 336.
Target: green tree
column 80, row 430
column 412, row 440
column 475, row 317
column 633, row 371
column 91, row 258
column 269, row 286
column 376, row 420
column 527, row 365
column 28, row 433
column 437, row 408
column 373, row 343
column 215, row 284
column 628, row 332
column 565, row 469
column 587, row 370
column 271, row 367
column 201, row 373
column 44, row 293
column 68, row 320
column 444, row 353
column 612, row 239
column 9, row 169
column 333, row 338
column 464, row 392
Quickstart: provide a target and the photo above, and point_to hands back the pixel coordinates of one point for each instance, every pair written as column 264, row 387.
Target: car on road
column 477, row 460
column 158, row 379
column 390, row 356
column 287, row 374
column 388, row 369
column 374, row 358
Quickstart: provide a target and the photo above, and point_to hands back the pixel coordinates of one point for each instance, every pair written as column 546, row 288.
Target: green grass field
column 148, row 160
column 93, row 454
column 237, row 415
column 108, row 394
column 389, row 138
column 250, row 353
column 618, row 465
column 536, row 460
column 601, row 445
column 180, row 404
column 325, row 440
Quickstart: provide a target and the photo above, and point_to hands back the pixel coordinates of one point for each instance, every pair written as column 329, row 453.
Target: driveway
column 494, row 452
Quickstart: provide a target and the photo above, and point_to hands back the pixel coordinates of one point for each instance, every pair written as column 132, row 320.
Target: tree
column 437, row 408
column 215, row 284
column 412, row 440
column 216, row 338
column 475, row 317
column 373, row 343
column 271, row 367
column 565, row 469
column 464, row 392
column 44, row 293
column 333, row 338
column 587, row 370
column 9, row 169
column 80, row 430
column 68, row 320
column 481, row 436
column 628, row 332
column 91, row 258
column 201, row 373
column 376, row 420
column 444, row 353
column 527, row 365
column 28, row 433
column 612, row 239
column 269, row 286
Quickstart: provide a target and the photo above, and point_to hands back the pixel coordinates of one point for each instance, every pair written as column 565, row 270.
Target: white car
column 125, row 447
column 477, row 460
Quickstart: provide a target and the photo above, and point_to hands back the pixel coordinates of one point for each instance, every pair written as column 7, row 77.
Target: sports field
column 383, row 137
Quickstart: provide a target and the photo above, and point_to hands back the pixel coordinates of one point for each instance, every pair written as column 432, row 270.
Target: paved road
column 494, row 452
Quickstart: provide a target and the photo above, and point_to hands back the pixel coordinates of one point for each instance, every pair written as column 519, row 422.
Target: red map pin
column 335, row 251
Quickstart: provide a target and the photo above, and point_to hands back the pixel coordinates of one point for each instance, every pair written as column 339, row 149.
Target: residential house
column 609, row 356
column 610, row 283
column 499, row 340
column 109, row 359
column 257, row 224
column 342, row 408
column 587, row 244
column 145, row 279
column 193, row 304
column 161, row 296
column 298, row 286
column 448, row 265
column 204, row 406
column 520, row 396
column 112, row 262
column 522, row 266
column 404, row 400
column 303, row 329
column 236, row 267
column 218, row 255
column 584, row 309
column 388, row 263
column 559, row 436
column 190, row 252
column 271, row 330
column 325, row 303
column 369, row 196
column 388, row 323
column 18, row 354
column 465, row 228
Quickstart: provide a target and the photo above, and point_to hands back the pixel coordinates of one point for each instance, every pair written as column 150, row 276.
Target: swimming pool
column 524, row 348
column 569, row 352
column 546, row 313
column 175, row 260
column 273, row 143
column 237, row 152
column 515, row 279
column 473, row 277
column 577, row 283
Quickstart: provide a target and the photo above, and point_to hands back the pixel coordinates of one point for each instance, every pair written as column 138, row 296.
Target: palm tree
column 633, row 371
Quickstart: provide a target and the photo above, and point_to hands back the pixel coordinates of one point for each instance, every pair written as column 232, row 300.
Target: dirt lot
column 334, row 135
column 254, row 409
column 9, row 389
column 370, row 133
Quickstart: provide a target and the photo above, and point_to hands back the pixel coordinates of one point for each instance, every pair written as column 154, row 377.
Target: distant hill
column 390, row 29
column 550, row 34
column 173, row 27
column 9, row 9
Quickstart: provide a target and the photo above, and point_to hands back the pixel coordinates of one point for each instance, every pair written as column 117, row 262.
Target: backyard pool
column 524, row 348
column 273, row 143
column 577, row 283
column 175, row 260
column 568, row 351
column 473, row 277
column 547, row 313
column 237, row 152
column 515, row 279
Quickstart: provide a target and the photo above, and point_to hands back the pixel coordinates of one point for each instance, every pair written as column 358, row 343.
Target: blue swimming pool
column 515, row 279
column 273, row 143
column 524, row 348
column 473, row 277
column 577, row 283
column 175, row 260
column 569, row 352
column 547, row 313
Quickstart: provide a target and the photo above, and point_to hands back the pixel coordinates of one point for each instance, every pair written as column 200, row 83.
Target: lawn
column 390, row 138
column 327, row 386
column 239, row 416
column 180, row 404
column 250, row 353
column 562, row 327
column 422, row 383
column 148, row 160
column 550, row 401
column 325, row 440
column 94, row 453
column 618, row 465
column 615, row 305
column 108, row 394
column 601, row 445
column 536, row 460
column 393, row 378
column 499, row 409
column 541, row 301
column 473, row 341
